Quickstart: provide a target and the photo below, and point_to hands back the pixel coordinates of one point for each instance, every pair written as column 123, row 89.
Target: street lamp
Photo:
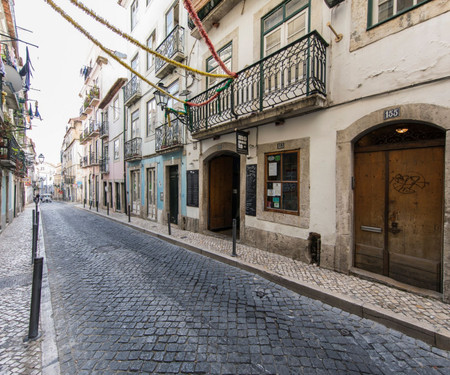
column 41, row 158
column 162, row 99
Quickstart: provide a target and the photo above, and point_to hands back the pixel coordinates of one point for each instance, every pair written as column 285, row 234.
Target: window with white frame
column 151, row 116
column 172, row 18
column 116, row 108
column 382, row 10
column 151, row 42
column 283, row 25
column 135, row 64
column 116, row 149
column 135, row 124
column 212, row 65
column 134, row 13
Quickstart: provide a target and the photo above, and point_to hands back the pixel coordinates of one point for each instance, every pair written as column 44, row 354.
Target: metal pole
column 37, row 225
column 34, row 242
column 96, row 203
column 90, row 204
column 129, row 213
column 84, row 203
column 233, row 254
column 168, row 223
column 33, row 331
column 107, row 209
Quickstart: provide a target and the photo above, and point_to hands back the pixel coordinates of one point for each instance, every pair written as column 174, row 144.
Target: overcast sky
column 62, row 51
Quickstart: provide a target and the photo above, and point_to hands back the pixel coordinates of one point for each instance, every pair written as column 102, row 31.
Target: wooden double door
column 399, row 214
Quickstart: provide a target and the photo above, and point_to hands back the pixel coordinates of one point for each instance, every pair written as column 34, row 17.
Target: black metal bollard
column 129, row 213
column 96, row 204
column 37, row 225
column 33, row 218
column 34, row 242
column 33, row 330
column 233, row 254
column 168, row 223
column 107, row 209
column 90, row 204
column 84, row 203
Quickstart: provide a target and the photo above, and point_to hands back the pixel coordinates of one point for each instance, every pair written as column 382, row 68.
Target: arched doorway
column 223, row 203
column 398, row 197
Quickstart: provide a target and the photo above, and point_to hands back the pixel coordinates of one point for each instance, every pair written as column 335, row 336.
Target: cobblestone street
column 124, row 301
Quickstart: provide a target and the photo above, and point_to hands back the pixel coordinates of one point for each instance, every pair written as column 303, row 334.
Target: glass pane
column 225, row 54
column 294, row 5
column 290, row 196
column 273, row 42
column 273, row 167
column 385, row 10
column 290, row 166
column 273, row 194
column 296, row 28
column 211, row 64
column 273, row 20
column 404, row 4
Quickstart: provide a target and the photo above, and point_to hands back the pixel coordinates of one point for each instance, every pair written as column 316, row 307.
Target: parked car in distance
column 46, row 198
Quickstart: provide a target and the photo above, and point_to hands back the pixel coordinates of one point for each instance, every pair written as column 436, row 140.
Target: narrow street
column 124, row 302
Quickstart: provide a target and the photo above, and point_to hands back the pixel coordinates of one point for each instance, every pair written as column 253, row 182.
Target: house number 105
column 391, row 113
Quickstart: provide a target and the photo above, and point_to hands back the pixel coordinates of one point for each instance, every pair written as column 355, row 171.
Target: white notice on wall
column 269, row 192
column 273, row 169
column 276, row 189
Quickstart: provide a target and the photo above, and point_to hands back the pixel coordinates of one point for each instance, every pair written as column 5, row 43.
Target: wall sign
column 192, row 188
column 391, row 113
column 250, row 191
column 241, row 142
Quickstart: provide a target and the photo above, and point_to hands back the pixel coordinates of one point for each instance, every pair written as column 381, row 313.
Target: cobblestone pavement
column 423, row 309
column 17, row 356
column 125, row 302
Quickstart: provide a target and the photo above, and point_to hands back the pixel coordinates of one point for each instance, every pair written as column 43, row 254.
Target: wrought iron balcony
column 132, row 91
column 293, row 77
column 133, row 149
column 104, row 129
column 9, row 151
column 69, row 180
column 84, row 161
column 104, row 165
column 93, row 160
column 170, row 137
column 173, row 48
column 93, row 128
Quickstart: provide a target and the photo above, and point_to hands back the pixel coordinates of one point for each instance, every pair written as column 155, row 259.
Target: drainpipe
column 124, row 162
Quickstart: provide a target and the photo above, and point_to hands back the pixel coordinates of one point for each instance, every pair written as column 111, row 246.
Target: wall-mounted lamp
column 332, row 3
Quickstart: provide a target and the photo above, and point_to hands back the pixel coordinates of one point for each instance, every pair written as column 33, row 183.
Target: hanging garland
column 137, row 43
column 193, row 14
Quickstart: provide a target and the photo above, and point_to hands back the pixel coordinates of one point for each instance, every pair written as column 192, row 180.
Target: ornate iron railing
column 174, row 43
column 168, row 136
column 93, row 127
column 84, row 161
column 132, row 88
column 104, row 165
column 93, row 158
column 293, row 72
column 9, row 149
column 133, row 148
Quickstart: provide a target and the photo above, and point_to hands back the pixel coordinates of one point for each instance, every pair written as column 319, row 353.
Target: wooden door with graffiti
column 399, row 213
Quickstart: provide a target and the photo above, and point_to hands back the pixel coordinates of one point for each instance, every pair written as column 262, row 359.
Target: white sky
column 57, row 62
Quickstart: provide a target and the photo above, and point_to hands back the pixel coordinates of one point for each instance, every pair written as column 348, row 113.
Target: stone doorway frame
column 425, row 113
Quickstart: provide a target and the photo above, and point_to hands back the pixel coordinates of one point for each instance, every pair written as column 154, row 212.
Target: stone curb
column 439, row 338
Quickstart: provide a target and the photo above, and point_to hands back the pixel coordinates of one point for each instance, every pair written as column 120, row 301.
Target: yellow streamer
column 144, row 47
column 108, row 51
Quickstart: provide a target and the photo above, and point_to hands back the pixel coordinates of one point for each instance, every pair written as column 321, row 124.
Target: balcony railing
column 69, row 180
column 104, row 129
column 173, row 48
column 84, row 161
column 104, row 165
column 133, row 149
column 132, row 91
column 287, row 76
column 93, row 128
column 93, row 160
column 9, row 151
column 168, row 137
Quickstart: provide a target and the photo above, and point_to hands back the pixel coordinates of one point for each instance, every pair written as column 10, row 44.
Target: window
column 284, row 25
column 151, row 116
column 212, row 66
column 135, row 124
column 173, row 89
column 135, row 64
column 116, row 108
column 172, row 18
column 134, row 11
column 282, row 181
column 116, row 149
column 382, row 10
column 151, row 41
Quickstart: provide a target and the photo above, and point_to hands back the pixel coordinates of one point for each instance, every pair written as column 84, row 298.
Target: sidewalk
column 17, row 356
column 424, row 318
